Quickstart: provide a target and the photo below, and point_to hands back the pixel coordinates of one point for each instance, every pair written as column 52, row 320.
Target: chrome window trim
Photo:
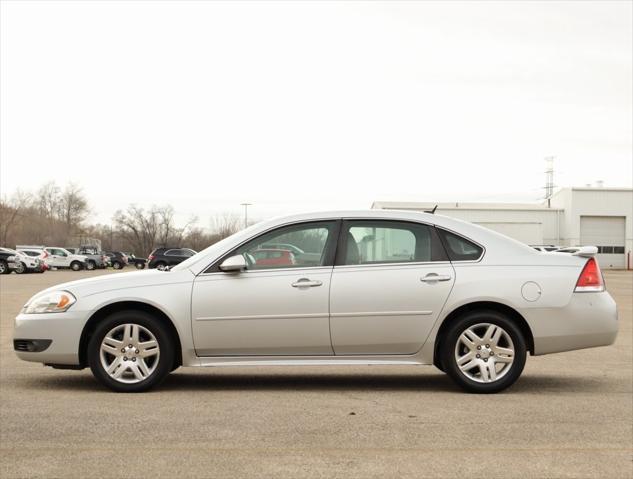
column 399, row 264
column 267, row 270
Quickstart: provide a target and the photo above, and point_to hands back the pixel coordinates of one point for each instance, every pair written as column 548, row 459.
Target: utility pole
column 246, row 205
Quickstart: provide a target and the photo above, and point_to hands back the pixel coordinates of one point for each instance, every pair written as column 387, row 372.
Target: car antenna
column 432, row 212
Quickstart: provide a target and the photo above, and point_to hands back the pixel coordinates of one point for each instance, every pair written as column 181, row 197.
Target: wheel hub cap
column 129, row 353
column 484, row 352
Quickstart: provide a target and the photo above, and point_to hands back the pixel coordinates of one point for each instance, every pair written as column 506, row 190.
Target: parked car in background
column 25, row 263
column 36, row 253
column 162, row 258
column 118, row 260
column 139, row 263
column 94, row 258
column 62, row 258
column 7, row 261
column 273, row 257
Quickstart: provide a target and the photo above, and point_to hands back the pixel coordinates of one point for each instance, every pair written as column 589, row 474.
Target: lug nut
column 478, row 347
column 133, row 359
column 122, row 350
column 485, row 360
column 136, row 351
column 492, row 353
column 478, row 356
column 124, row 358
column 487, row 345
column 129, row 345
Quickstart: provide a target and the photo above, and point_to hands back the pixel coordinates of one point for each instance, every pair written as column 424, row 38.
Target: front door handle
column 433, row 277
column 306, row 283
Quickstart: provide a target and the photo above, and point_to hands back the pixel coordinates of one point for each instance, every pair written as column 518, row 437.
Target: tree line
column 58, row 216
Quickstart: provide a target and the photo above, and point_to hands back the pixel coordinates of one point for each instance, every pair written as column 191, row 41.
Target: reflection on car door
column 389, row 285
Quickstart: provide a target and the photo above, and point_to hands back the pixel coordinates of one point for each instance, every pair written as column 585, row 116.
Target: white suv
column 62, row 258
column 25, row 263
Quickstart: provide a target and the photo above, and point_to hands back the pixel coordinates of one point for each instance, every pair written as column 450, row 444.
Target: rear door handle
column 306, row 283
column 433, row 277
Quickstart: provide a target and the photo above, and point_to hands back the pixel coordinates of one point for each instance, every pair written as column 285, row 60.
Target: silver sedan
column 342, row 288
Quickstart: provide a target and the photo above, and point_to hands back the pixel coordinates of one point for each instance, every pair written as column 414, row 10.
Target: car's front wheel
column 20, row 268
column 484, row 352
column 139, row 265
column 90, row 265
column 4, row 267
column 117, row 265
column 130, row 351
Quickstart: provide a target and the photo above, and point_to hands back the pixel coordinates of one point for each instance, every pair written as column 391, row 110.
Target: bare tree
column 72, row 206
column 225, row 225
column 146, row 229
column 47, row 198
column 11, row 210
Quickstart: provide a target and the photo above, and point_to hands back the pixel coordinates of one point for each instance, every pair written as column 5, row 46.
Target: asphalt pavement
column 569, row 416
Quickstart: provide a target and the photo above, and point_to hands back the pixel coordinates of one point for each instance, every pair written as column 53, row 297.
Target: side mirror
column 233, row 263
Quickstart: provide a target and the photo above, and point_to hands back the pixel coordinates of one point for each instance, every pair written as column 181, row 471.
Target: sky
column 296, row 106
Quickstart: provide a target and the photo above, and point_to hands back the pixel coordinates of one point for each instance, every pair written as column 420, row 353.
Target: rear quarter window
column 459, row 248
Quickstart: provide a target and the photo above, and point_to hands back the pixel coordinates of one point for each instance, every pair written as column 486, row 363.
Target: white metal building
column 596, row 216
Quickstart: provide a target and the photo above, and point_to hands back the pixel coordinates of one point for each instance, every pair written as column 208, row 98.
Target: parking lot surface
column 569, row 415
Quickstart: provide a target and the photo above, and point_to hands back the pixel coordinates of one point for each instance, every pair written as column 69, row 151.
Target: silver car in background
column 373, row 287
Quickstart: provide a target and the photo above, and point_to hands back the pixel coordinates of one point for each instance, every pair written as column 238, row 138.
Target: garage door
column 528, row 233
column 607, row 233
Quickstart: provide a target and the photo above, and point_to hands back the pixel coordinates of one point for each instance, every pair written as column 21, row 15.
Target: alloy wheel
column 129, row 353
column 484, row 352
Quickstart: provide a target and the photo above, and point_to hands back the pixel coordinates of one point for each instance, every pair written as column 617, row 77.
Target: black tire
column 4, row 267
column 90, row 265
column 450, row 343
column 155, row 326
column 161, row 265
column 76, row 266
column 21, row 268
column 139, row 265
column 117, row 265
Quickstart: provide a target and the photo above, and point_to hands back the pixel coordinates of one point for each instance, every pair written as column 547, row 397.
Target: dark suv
column 162, row 258
column 117, row 259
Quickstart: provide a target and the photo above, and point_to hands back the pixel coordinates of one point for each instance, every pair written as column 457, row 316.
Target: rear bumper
column 589, row 320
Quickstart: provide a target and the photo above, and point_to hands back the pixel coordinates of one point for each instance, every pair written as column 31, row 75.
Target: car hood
column 109, row 282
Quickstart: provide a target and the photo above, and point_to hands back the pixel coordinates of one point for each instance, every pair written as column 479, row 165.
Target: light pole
column 246, row 205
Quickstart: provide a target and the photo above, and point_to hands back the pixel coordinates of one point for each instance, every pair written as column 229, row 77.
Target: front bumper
column 589, row 320
column 62, row 329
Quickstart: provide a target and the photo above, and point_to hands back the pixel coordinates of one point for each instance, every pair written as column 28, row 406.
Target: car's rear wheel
column 20, row 268
column 4, row 267
column 90, row 265
column 117, row 265
column 139, row 265
column 161, row 266
column 484, row 352
column 75, row 266
column 130, row 351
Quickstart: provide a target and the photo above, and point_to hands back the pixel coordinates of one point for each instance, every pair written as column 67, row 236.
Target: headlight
column 51, row 302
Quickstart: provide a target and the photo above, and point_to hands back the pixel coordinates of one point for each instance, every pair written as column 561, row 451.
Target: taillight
column 150, row 257
column 591, row 278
